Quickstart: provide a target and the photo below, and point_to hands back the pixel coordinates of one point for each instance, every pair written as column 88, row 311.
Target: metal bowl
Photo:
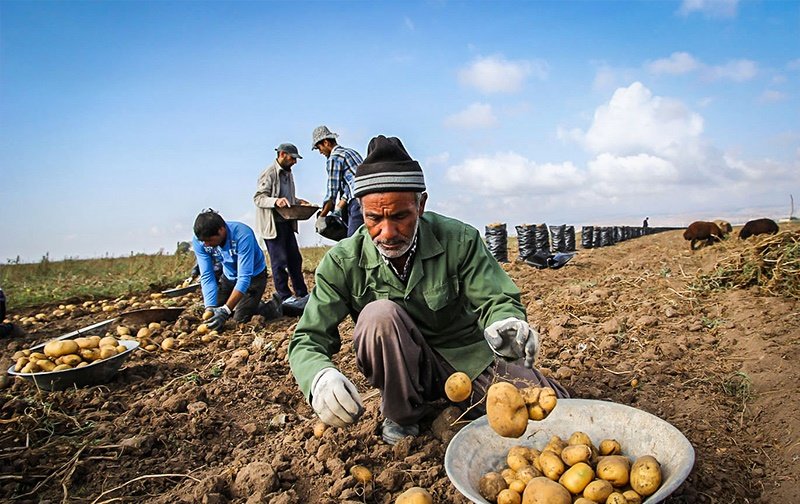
column 297, row 212
column 477, row 449
column 180, row 291
column 98, row 372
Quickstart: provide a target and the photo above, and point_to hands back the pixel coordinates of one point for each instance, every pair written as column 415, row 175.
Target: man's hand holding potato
column 335, row 399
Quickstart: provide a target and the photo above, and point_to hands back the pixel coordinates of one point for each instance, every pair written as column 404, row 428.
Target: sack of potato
column 61, row 355
column 572, row 472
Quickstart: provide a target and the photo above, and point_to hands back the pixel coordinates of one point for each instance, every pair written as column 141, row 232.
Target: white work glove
column 218, row 317
column 334, row 398
column 513, row 339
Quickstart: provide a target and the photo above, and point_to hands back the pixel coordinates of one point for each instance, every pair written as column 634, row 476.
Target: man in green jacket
column 427, row 299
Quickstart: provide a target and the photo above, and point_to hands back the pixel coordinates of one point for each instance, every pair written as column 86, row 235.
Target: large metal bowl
column 297, row 212
column 102, row 371
column 96, row 373
column 477, row 449
column 180, row 291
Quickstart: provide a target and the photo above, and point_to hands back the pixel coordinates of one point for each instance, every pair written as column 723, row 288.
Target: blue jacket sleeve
column 208, row 281
column 245, row 262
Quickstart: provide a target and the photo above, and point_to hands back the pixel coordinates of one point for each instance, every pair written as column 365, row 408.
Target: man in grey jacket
column 276, row 190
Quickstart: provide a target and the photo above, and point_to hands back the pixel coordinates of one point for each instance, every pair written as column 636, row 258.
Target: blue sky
column 119, row 121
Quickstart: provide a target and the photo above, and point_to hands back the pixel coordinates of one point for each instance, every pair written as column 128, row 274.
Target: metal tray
column 297, row 212
column 180, row 291
column 95, row 373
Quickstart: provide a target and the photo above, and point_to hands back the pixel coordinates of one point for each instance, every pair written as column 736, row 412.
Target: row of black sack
column 533, row 238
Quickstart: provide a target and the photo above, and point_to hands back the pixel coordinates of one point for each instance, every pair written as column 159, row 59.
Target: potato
column 555, row 445
column 85, row 343
column 508, row 475
column 34, row 356
column 598, row 490
column 577, row 477
column 506, row 410
column 527, row 473
column 517, row 462
column 154, row 326
column 319, row 429
column 509, row 496
column 202, row 329
column 46, row 365
column 107, row 351
column 544, row 491
column 490, row 485
column 517, row 486
column 458, row 387
column 82, row 364
column 121, row 348
column 616, row 498
column 90, row 354
column 361, row 474
column 581, row 500
column 21, row 363
column 96, row 341
column 30, row 367
column 414, row 495
column 207, row 314
column 645, row 475
column 610, row 447
column 522, row 451
column 64, row 367
column 573, row 454
column 143, row 333
column 71, row 360
column 632, row 497
column 58, row 348
column 552, row 466
column 614, row 469
column 168, row 344
column 579, row 438
column 151, row 348
column 108, row 341
column 123, row 331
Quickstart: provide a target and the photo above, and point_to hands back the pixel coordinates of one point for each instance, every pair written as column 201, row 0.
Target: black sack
column 542, row 237
column 497, row 242
column 557, row 238
column 331, row 227
column 569, row 239
column 587, row 236
column 526, row 240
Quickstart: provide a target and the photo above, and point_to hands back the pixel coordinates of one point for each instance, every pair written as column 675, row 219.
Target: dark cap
column 289, row 149
column 388, row 168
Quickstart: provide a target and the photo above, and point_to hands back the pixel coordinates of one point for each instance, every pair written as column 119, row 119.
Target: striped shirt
column 341, row 166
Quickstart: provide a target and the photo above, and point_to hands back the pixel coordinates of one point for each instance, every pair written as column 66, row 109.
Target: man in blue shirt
column 341, row 167
column 244, row 270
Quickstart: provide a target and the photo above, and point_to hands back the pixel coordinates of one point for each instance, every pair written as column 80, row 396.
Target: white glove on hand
column 335, row 399
column 513, row 339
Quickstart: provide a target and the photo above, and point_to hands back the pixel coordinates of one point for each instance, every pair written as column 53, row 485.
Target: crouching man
column 427, row 299
column 244, row 270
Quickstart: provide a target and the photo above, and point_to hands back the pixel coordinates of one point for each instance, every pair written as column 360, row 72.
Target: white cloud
column 639, row 174
column 678, row 63
column 709, row 8
column 476, row 116
column 438, row 159
column 772, row 96
column 510, row 173
column 495, row 74
column 634, row 121
column 735, row 70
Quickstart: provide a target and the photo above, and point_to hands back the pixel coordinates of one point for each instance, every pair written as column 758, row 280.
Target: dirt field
column 225, row 422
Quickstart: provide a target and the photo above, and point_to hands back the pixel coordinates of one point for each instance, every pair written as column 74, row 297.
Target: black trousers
column 248, row 305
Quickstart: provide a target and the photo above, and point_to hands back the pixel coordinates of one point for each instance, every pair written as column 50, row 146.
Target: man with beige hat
column 341, row 167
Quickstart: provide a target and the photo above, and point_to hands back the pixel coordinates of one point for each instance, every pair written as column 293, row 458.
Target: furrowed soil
column 223, row 421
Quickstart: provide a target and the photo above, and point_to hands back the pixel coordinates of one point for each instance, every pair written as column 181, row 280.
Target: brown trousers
column 396, row 359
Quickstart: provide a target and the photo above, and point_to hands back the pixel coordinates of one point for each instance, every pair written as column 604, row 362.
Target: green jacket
column 455, row 289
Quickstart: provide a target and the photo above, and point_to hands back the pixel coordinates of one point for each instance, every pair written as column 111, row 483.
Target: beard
column 403, row 243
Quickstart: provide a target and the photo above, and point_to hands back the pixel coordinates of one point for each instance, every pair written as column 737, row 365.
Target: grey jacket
column 269, row 187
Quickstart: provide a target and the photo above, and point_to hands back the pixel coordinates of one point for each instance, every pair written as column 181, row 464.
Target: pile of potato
column 155, row 335
column 575, row 468
column 508, row 408
column 60, row 355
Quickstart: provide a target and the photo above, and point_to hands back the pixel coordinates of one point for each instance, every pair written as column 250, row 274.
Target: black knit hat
column 388, row 168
